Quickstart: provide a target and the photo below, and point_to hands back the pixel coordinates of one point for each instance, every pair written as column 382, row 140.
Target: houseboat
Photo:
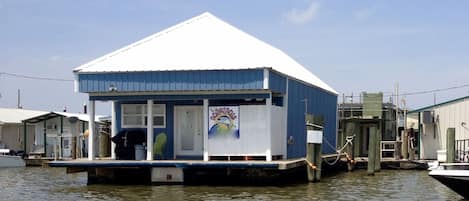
column 208, row 98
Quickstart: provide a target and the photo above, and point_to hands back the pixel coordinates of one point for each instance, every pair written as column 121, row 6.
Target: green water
column 54, row 184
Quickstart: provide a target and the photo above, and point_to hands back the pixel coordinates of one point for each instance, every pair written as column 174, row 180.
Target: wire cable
column 36, row 77
column 416, row 92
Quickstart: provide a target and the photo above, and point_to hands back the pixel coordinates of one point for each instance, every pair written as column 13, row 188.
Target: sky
column 354, row 46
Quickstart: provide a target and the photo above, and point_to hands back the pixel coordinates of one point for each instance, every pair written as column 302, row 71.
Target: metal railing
column 462, row 150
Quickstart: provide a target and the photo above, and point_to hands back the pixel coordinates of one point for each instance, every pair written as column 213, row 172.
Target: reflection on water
column 54, row 184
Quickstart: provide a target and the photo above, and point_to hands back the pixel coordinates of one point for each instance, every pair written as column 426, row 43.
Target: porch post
column 268, row 140
column 149, row 130
column 113, row 128
column 91, row 131
column 205, row 129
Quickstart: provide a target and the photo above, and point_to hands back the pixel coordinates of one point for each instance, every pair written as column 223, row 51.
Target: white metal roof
column 201, row 43
column 15, row 116
column 82, row 117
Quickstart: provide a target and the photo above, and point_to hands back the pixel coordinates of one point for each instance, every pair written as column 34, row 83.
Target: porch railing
column 462, row 150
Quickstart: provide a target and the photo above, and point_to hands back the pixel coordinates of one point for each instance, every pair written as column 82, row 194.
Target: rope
column 349, row 140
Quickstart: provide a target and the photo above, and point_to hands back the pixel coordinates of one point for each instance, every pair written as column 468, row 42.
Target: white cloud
column 364, row 14
column 303, row 16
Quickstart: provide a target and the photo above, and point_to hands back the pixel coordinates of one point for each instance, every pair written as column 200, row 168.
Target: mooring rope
column 348, row 139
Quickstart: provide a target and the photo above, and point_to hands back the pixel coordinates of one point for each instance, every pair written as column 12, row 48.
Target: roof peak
column 203, row 42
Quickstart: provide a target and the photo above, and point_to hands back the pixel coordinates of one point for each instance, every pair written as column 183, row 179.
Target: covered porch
column 203, row 126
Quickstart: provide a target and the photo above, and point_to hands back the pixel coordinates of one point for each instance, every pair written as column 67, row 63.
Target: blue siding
column 172, row 81
column 277, row 82
column 320, row 102
column 180, row 97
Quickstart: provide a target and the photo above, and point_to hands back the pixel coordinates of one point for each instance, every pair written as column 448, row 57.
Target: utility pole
column 19, row 99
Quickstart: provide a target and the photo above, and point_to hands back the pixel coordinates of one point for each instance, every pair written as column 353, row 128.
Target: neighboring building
column 213, row 91
column 433, row 122
column 63, row 133
column 12, row 128
column 357, row 118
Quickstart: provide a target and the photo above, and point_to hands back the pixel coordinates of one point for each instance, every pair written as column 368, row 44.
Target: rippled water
column 54, row 184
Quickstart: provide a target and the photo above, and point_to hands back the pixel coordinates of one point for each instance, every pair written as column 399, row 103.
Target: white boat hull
column 11, row 161
column 456, row 180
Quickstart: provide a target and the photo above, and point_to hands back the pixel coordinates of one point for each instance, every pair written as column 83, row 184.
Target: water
column 54, row 184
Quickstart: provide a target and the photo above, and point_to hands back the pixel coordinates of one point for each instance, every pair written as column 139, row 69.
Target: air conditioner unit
column 428, row 117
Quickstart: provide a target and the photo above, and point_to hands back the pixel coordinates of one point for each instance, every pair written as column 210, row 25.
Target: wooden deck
column 391, row 163
column 107, row 163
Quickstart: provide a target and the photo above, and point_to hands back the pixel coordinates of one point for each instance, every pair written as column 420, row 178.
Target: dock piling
column 372, row 151
column 405, row 145
column 350, row 128
column 314, row 160
column 450, row 145
column 378, row 151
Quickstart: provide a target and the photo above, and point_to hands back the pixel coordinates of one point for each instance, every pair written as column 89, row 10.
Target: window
column 135, row 115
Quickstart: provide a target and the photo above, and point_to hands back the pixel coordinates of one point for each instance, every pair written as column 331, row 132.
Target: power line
column 435, row 90
column 35, row 77
column 419, row 92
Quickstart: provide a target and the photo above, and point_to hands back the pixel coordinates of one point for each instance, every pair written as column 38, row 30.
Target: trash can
column 140, row 153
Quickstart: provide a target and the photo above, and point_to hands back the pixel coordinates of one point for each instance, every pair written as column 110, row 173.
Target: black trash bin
column 125, row 143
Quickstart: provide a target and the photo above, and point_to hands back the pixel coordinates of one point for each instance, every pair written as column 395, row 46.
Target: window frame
column 143, row 115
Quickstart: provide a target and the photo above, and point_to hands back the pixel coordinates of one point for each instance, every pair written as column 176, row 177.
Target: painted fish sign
column 223, row 122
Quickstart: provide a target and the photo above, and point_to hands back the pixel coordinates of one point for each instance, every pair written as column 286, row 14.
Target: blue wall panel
column 277, row 82
column 172, row 81
column 319, row 103
column 181, row 97
column 169, row 130
column 169, row 148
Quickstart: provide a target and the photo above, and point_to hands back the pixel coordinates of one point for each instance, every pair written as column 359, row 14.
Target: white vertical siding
column 450, row 115
column 253, row 134
column 278, row 130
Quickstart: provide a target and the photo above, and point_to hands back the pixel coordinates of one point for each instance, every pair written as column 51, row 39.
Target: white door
column 67, row 147
column 188, row 130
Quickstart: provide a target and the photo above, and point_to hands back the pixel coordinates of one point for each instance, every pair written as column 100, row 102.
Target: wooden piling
column 350, row 131
column 405, row 145
column 318, row 161
column 372, row 151
column 349, row 151
column 378, row 150
column 314, row 160
column 450, row 145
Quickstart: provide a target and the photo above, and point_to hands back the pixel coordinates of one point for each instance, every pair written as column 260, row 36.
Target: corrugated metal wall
column 319, row 103
column 172, row 81
column 277, row 82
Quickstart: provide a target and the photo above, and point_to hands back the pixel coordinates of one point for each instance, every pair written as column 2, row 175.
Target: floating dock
column 186, row 171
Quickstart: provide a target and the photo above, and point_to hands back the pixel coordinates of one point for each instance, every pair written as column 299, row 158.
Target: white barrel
column 140, row 153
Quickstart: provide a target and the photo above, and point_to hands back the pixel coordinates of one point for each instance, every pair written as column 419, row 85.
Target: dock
column 105, row 171
column 279, row 165
column 391, row 163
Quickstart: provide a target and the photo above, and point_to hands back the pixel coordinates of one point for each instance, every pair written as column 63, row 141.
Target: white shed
column 12, row 128
column 433, row 124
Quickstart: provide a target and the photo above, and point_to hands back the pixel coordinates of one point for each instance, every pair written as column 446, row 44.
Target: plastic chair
column 159, row 145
